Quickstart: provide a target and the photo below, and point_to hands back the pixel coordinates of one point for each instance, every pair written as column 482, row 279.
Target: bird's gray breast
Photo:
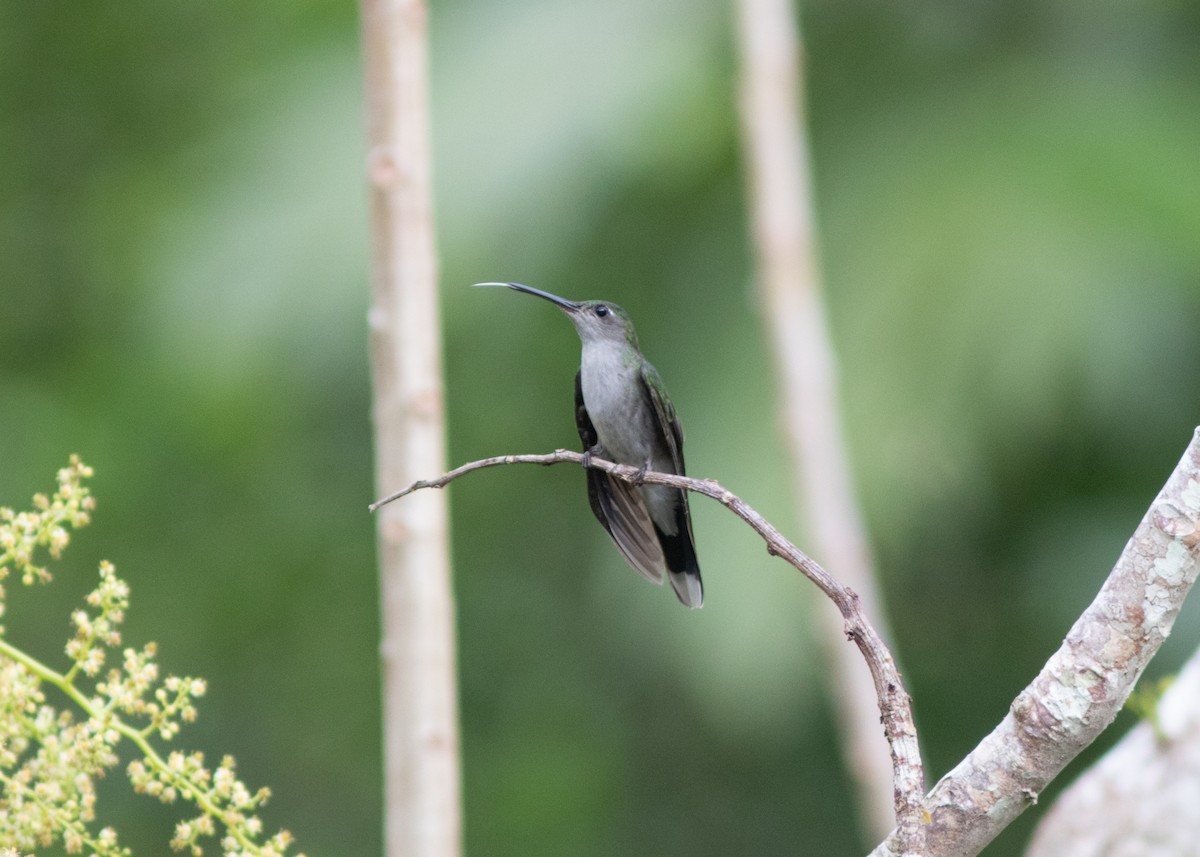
column 616, row 402
column 627, row 424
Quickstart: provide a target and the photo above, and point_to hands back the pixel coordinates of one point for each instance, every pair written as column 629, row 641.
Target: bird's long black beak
column 562, row 303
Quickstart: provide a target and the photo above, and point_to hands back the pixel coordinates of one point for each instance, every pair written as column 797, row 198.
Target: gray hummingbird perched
column 623, row 414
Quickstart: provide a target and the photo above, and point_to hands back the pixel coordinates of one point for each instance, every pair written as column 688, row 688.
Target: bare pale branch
column 895, row 705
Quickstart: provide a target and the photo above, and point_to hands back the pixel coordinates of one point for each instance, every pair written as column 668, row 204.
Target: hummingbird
column 623, row 414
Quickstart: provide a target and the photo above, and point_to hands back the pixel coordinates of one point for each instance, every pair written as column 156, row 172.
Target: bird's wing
column 668, row 421
column 628, row 522
column 679, row 548
column 617, row 506
column 590, row 440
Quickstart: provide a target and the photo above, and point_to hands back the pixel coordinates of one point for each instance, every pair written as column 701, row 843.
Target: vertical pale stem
column 420, row 723
column 781, row 202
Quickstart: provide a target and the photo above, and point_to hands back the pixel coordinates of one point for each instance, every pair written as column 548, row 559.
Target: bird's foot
column 639, row 478
column 586, row 460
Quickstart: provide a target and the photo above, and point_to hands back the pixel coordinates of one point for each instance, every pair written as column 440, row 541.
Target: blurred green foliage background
column 1009, row 207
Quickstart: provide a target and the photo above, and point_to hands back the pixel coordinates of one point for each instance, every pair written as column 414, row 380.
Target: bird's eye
column 601, row 310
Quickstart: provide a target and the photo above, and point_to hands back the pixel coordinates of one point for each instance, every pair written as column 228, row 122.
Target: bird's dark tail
column 682, row 566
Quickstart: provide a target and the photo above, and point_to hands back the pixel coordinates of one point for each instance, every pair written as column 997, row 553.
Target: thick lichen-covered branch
column 1084, row 684
column 1140, row 797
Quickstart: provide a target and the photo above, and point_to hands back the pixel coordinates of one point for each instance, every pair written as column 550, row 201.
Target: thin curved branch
column 895, row 705
column 1084, row 684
